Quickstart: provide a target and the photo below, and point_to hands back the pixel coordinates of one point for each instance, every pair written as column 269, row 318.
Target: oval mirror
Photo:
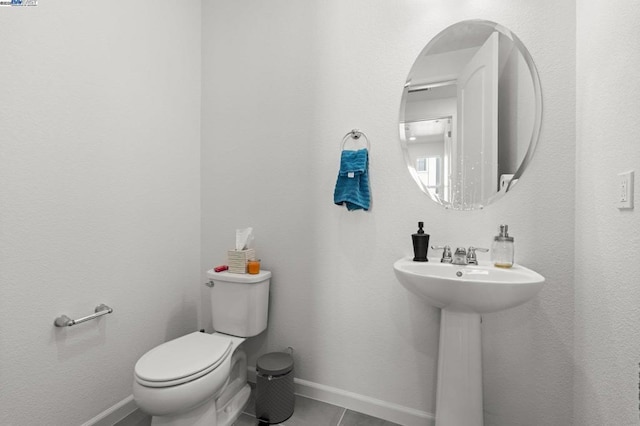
column 470, row 114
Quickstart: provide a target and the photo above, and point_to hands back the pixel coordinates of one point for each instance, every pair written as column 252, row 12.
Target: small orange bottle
column 253, row 266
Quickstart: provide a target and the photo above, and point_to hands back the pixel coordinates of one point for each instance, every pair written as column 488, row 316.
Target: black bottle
column 420, row 244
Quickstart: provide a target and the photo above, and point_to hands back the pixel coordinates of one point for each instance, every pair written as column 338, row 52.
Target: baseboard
column 363, row 404
column 114, row 414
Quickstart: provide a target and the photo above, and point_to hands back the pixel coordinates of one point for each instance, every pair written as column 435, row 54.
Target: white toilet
column 200, row 378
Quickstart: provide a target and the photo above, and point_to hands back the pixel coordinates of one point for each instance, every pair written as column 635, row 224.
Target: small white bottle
column 502, row 249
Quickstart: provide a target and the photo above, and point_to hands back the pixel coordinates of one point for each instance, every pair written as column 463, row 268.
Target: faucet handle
column 471, row 254
column 480, row 249
column 446, row 253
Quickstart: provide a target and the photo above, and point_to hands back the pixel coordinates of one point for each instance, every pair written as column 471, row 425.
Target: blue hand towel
column 352, row 187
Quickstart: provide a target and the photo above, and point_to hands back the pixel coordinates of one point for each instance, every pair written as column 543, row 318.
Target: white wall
column 441, row 67
column 99, row 172
column 422, row 109
column 516, row 109
column 607, row 341
column 282, row 84
column 100, row 195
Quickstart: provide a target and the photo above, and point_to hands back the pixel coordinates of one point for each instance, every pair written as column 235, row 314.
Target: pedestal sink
column 463, row 292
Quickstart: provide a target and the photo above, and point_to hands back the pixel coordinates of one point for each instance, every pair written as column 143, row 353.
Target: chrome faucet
column 460, row 257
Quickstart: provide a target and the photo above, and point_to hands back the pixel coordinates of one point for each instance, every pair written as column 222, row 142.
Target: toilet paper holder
column 65, row 321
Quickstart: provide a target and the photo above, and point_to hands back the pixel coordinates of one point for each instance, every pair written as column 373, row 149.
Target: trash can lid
column 275, row 363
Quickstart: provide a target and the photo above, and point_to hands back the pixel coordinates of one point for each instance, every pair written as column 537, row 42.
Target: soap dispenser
column 420, row 244
column 502, row 249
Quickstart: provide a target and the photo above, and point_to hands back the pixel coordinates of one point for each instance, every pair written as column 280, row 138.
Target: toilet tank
column 239, row 302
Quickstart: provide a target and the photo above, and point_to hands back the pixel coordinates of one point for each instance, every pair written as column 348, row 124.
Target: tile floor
column 308, row 412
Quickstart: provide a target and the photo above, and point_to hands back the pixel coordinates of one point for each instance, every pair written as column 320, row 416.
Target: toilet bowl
column 199, row 378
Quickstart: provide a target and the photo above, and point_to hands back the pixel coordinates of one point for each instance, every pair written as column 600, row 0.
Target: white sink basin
column 479, row 288
column 464, row 292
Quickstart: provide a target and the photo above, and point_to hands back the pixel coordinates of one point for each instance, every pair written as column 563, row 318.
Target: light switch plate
column 625, row 190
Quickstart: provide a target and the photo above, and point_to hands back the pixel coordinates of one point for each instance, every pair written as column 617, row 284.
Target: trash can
column 275, row 399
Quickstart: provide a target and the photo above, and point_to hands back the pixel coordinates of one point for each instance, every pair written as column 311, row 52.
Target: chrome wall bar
column 65, row 321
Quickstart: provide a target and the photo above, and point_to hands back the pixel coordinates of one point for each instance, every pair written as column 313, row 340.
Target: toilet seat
column 182, row 360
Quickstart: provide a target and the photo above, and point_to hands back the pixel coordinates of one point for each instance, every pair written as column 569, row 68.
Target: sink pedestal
column 459, row 391
column 463, row 293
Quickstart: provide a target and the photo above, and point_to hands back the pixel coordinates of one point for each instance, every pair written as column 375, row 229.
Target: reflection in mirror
column 470, row 114
column 429, row 147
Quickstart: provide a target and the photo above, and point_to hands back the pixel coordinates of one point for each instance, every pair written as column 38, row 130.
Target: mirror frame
column 538, row 108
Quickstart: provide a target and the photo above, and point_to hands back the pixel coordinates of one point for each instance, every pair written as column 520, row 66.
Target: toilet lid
column 183, row 359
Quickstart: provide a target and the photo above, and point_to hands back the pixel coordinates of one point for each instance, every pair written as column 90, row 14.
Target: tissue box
column 237, row 260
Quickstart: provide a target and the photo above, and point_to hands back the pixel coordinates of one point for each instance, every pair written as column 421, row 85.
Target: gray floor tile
column 309, row 412
column 137, row 418
column 246, row 420
column 353, row 418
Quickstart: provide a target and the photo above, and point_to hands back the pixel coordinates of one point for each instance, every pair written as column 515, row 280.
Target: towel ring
column 354, row 134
